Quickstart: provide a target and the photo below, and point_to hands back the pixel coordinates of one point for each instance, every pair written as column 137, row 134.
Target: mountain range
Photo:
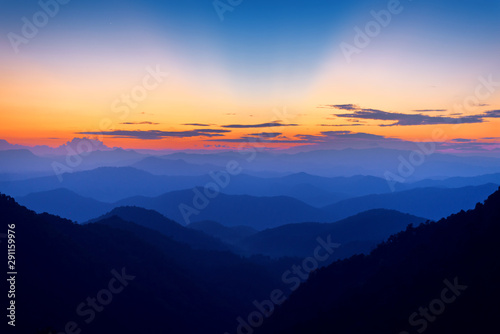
column 439, row 277
column 257, row 212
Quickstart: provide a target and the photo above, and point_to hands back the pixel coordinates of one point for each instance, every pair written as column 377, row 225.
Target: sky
column 221, row 74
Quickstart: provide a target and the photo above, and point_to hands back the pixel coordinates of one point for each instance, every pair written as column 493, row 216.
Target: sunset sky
column 272, row 71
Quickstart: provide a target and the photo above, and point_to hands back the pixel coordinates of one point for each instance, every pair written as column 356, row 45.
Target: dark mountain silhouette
column 230, row 235
column 439, row 278
column 230, row 210
column 234, row 210
column 431, row 203
column 65, row 203
column 156, row 221
column 165, row 284
column 357, row 234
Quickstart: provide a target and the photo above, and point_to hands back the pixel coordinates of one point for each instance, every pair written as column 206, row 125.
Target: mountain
column 327, row 163
column 193, row 205
column 311, row 189
column 117, row 157
column 106, row 184
column 230, row 235
column 156, row 221
column 350, row 162
column 364, row 230
column 453, row 182
column 160, row 166
column 439, row 278
column 78, row 155
column 64, row 203
column 259, row 212
column 20, row 161
column 431, row 203
column 116, row 276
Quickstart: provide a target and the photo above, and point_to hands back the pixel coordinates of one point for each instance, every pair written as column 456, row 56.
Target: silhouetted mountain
column 156, row 221
column 431, row 203
column 229, row 235
column 350, row 162
column 104, row 184
column 143, row 280
column 439, row 278
column 5, row 145
column 229, row 210
column 117, row 157
column 22, row 161
column 160, row 166
column 328, row 163
column 112, row 184
column 314, row 190
column 356, row 235
column 453, row 182
column 65, row 204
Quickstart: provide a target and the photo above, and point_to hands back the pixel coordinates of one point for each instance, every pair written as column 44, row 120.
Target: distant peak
column 87, row 144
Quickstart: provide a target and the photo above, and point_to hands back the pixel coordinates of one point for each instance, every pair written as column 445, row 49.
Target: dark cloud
column 349, row 107
column 351, row 135
column 328, row 136
column 356, row 124
column 492, row 114
column 462, row 140
column 156, row 134
column 139, row 123
column 430, row 110
column 247, row 139
column 262, row 125
column 266, row 134
column 412, row 119
column 196, row 124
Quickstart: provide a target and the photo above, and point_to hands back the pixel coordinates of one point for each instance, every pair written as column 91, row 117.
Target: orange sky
column 59, row 89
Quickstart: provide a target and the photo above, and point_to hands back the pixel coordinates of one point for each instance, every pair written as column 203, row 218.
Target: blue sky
column 263, row 55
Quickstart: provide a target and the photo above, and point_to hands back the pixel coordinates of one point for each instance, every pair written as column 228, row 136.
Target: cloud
column 196, row 124
column 262, row 125
column 411, row 119
column 246, row 139
column 430, row 110
column 156, row 134
column 266, row 134
column 139, row 123
column 340, row 106
column 463, row 140
column 328, row 136
column 492, row 114
column 356, row 124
